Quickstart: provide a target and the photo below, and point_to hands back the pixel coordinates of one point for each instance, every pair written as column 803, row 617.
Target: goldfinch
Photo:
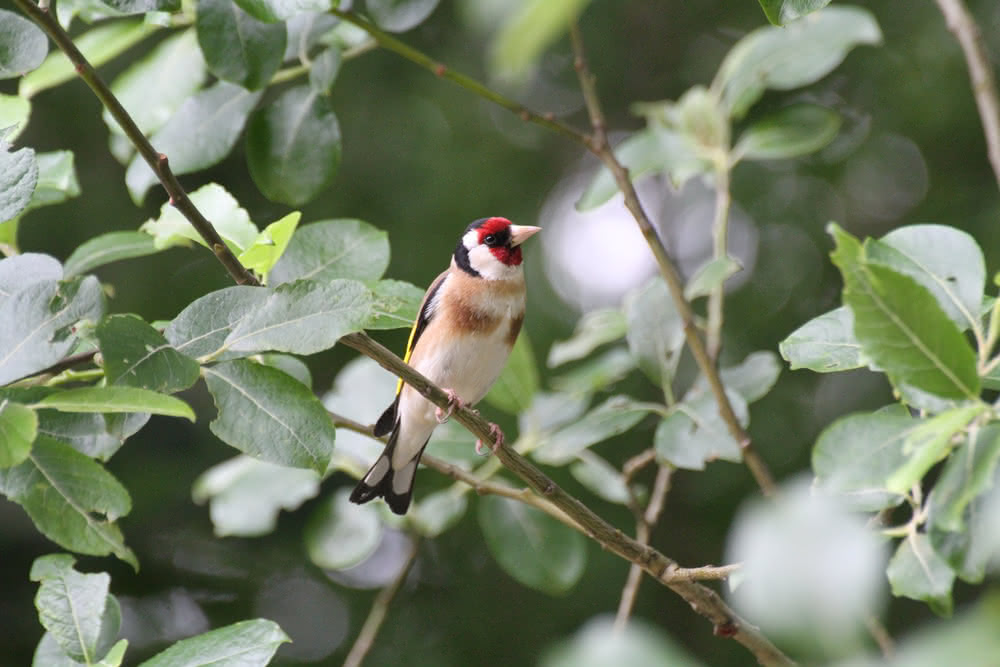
column 467, row 324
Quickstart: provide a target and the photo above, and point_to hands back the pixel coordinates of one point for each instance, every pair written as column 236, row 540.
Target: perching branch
column 984, row 87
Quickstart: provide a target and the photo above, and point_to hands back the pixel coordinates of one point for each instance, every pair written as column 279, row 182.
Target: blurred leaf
column 270, row 416
column 98, row 45
column 794, row 131
column 324, row 69
column 969, row 472
column 601, row 478
column 244, row 644
column 793, row 56
column 230, row 220
column 271, row 11
column 108, row 248
column 116, row 399
column 143, row 6
column 945, row 260
column 23, row 46
column 362, row 390
column 238, row 47
column 202, row 327
column 655, row 330
column 824, row 344
column 400, row 15
column 592, row 330
column 115, row 655
column 270, row 244
column 437, row 512
column 14, row 113
column 306, row 30
column 35, row 323
column 550, row 411
column 137, row 355
column 303, row 317
column 18, row 428
column 752, row 378
column 396, row 305
column 902, row 329
column 293, row 146
column 245, row 495
column 976, row 546
column 56, row 179
column 340, row 534
column 531, row 546
column 930, row 442
column 287, row 364
column 531, row 28
column 343, row 248
column 18, row 177
column 916, row 571
column 72, row 500
column 855, row 455
column 21, row 271
column 694, row 434
column 615, row 416
column 517, row 384
column 780, row 12
column 453, row 443
column 596, row 373
column 601, row 644
column 711, row 275
column 199, row 134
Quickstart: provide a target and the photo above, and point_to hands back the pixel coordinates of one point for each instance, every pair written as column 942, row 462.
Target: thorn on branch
column 80, row 69
column 440, row 69
column 727, row 629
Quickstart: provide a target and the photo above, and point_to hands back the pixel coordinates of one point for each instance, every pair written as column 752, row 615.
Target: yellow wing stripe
column 409, row 351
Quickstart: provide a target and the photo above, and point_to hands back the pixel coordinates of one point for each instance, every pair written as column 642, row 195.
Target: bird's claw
column 454, row 403
column 498, row 438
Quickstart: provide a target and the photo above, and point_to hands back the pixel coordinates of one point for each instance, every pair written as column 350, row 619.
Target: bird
column 466, row 326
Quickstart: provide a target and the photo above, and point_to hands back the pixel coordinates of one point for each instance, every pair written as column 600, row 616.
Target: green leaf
column 976, row 546
column 794, row 131
column 550, row 411
column 18, row 428
column 143, row 6
column 791, row 57
column 91, row 434
column 655, row 330
column 824, row 344
column 615, row 416
column 115, row 655
column 22, row 45
column 362, row 390
column 343, row 248
column 18, row 177
column 72, row 500
column 531, row 546
column 437, row 512
column 517, row 384
column 117, row 399
column 269, row 415
column 752, row 378
column 694, row 433
column 287, row 364
column 780, row 12
column 593, row 330
column 270, row 244
column 528, row 32
column 293, row 146
column 14, row 113
column 20, row 271
column 303, row 317
column 601, row 478
column 324, row 69
column 108, row 248
column 270, row 11
column 855, row 455
column 35, row 324
column 245, row 495
column 340, row 534
column 238, row 47
column 98, row 45
column 968, row 473
column 56, row 179
column 916, row 571
column 137, row 355
column 902, row 329
column 396, row 305
column 400, row 15
column 596, row 373
column 244, row 644
column 200, row 134
column 202, row 328
column 73, row 607
column 711, row 275
column 230, row 220
column 600, row 644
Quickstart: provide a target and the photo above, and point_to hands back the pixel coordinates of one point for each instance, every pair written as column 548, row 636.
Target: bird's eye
column 490, row 239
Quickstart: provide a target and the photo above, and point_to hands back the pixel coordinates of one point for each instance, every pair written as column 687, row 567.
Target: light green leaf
column 752, row 378
column 593, row 330
column 18, row 428
column 437, row 512
column 245, row 495
column 137, row 355
column 230, row 220
column 269, row 415
column 20, row 271
column 517, row 384
column 363, row 389
column 18, row 177
column 201, row 328
column 270, row 244
column 244, row 644
column 400, row 15
column 94, row 434
column 549, row 411
column 287, row 364
column 528, row 32
column 271, row 11
column 825, row 344
column 780, row 12
column 596, row 373
column 976, row 546
column 655, row 330
column 694, row 434
column 14, row 112
column 615, row 416
column 600, row 643
column 56, row 179
column 116, row 399
column 711, row 275
column 22, row 45
column 794, row 131
column 324, row 69
column 238, row 47
column 115, row 655
column 329, row 249
column 143, row 6
column 600, row 477
column 396, row 306
column 968, row 473
column 531, row 546
column 916, row 571
column 108, row 248
column 340, row 534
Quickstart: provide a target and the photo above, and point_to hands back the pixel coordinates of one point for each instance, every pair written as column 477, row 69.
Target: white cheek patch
column 488, row 266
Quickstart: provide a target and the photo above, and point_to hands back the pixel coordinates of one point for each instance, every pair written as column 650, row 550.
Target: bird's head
column 491, row 248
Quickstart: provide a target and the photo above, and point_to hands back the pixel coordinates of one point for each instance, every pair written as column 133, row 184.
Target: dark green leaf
column 600, row 643
column 21, row 271
column 655, row 331
column 930, row 442
column 396, row 304
column 593, row 330
column 137, row 355
column 694, row 434
column 519, row 43
column 976, row 547
column 615, row 416
column 18, row 177
column 270, row 416
column 792, row 132
column 780, row 12
column 437, row 512
column 18, row 428
column 22, row 45
column 244, row 644
column 517, row 384
column 969, row 472
column 270, row 11
column 825, row 344
column 230, row 220
column 270, row 244
column 917, row 571
column 107, row 248
column 531, row 546
column 329, row 249
column 91, row 434
column 340, row 534
column 238, row 47
column 116, row 399
column 293, row 146
column 202, row 328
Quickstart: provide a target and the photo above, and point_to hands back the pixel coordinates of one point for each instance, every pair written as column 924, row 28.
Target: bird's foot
column 454, row 403
column 497, row 440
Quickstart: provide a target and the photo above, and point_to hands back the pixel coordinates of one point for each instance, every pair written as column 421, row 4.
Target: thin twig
column 881, row 636
column 720, row 234
column 984, row 87
column 380, row 607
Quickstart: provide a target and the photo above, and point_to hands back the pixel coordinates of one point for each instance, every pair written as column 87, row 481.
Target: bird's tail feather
column 381, row 480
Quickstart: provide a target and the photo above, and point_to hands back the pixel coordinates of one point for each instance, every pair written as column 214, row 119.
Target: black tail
column 382, row 481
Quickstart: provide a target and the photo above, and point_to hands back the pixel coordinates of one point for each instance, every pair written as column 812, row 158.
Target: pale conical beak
column 521, row 233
